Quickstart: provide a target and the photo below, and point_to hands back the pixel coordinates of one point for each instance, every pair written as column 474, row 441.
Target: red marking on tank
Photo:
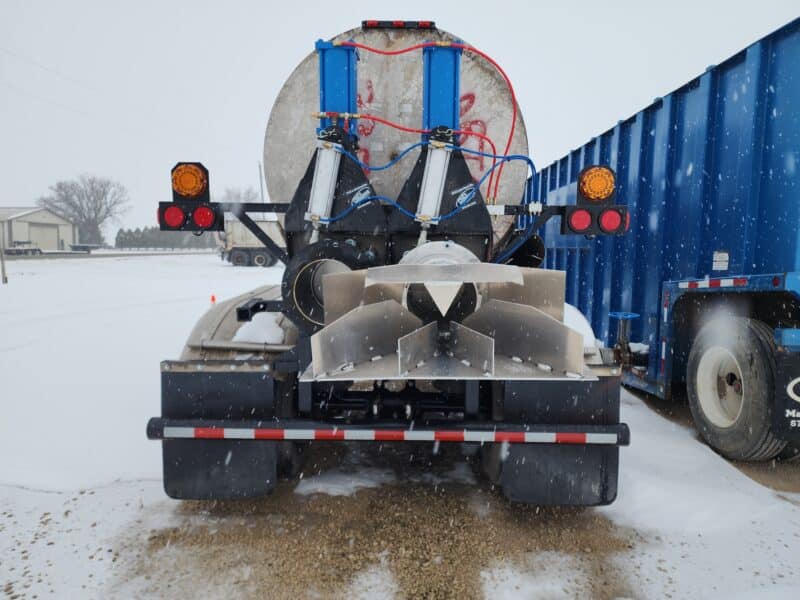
column 466, row 102
column 363, row 156
column 738, row 281
column 370, row 95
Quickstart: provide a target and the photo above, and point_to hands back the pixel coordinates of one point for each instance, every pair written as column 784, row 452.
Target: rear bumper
column 309, row 430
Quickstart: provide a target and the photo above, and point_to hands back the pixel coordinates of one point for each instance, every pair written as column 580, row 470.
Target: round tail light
column 610, row 220
column 203, row 217
column 174, row 216
column 580, row 220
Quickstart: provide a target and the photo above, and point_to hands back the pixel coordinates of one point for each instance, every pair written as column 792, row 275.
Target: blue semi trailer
column 703, row 294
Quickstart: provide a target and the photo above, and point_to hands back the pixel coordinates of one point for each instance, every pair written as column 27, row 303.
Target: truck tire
column 262, row 259
column 239, row 258
column 730, row 384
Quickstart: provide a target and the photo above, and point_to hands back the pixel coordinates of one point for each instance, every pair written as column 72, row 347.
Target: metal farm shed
column 37, row 227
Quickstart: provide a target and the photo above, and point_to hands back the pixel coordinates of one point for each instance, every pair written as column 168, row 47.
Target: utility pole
column 3, row 276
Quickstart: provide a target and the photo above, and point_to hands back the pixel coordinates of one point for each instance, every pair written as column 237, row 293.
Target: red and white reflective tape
column 389, row 435
column 713, row 283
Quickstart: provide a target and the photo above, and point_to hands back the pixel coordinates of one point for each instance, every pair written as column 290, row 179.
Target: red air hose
column 476, row 134
column 466, row 48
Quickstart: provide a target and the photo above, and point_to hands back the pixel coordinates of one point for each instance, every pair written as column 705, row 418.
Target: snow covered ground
column 82, row 513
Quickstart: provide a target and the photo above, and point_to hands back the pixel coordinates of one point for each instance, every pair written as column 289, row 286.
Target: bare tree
column 89, row 202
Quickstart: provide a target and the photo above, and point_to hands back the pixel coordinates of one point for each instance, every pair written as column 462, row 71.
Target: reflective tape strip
column 364, row 435
column 540, row 438
column 239, row 434
column 298, row 434
column 570, row 438
column 389, row 435
column 713, row 283
column 448, row 436
column 419, row 436
column 601, row 438
column 268, row 434
column 482, row 437
column 179, row 432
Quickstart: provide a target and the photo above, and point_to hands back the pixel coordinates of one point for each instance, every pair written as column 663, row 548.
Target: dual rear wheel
column 730, row 384
column 259, row 258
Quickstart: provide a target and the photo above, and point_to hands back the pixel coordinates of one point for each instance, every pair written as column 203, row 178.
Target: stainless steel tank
column 391, row 87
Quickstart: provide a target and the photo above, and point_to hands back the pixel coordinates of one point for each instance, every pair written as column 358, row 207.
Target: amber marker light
column 597, row 183
column 189, row 180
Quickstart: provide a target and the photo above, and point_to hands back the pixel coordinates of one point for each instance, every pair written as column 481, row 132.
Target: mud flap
column 560, row 475
column 217, row 469
column 786, row 413
column 557, row 474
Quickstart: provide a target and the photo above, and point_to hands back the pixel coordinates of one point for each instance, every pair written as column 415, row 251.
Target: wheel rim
column 720, row 387
column 260, row 260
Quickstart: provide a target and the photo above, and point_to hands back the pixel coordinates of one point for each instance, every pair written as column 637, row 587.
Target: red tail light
column 580, row 220
column 203, row 217
column 610, row 220
column 174, row 216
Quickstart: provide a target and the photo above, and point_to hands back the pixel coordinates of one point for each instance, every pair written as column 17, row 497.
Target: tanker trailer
column 411, row 308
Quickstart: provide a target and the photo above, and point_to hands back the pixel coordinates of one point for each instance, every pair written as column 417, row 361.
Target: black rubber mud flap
column 556, row 474
column 218, row 469
column 560, row 475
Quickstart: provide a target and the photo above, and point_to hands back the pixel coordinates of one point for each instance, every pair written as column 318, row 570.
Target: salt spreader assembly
column 411, row 308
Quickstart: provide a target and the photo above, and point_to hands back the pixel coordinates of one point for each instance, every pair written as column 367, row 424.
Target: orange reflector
column 189, row 180
column 597, row 183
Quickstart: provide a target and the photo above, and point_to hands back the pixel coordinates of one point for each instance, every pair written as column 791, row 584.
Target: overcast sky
column 126, row 89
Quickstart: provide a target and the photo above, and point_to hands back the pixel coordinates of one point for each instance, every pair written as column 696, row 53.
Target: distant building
column 36, row 227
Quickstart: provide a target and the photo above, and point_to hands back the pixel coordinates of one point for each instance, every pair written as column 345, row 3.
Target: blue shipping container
column 711, row 176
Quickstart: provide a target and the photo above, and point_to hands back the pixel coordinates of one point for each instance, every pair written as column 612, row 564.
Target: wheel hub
column 720, row 389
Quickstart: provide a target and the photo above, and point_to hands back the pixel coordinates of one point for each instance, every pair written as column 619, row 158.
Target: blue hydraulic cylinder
column 441, row 84
column 338, row 83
